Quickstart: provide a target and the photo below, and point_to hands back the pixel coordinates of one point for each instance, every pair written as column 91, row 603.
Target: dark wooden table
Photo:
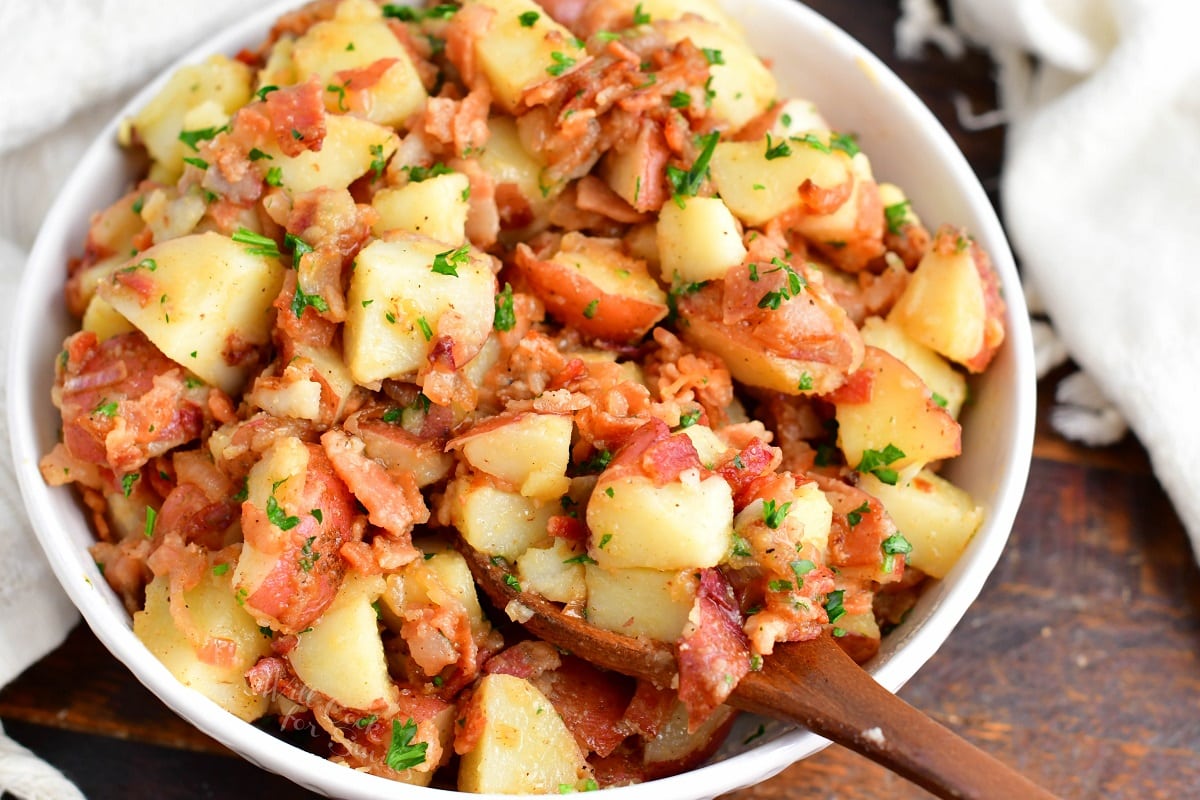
column 1077, row 664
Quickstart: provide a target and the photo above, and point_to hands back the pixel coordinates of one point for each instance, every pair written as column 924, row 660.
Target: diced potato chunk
column 640, row 602
column 352, row 148
column 900, row 416
column 394, row 289
column 191, row 295
column 217, row 616
column 507, row 161
column 798, row 117
column 342, row 655
column 943, row 307
column 496, row 522
column 699, row 241
column 197, row 96
column 530, row 451
column 524, row 747
column 680, row 525
column 937, row 517
column 808, row 520
column 757, row 188
column 436, row 207
column 742, row 85
column 943, row 380
column 103, row 320
column 554, row 572
column 516, row 57
column 451, row 569
column 356, row 38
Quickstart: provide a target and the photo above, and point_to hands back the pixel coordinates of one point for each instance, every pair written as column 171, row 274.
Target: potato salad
column 570, row 283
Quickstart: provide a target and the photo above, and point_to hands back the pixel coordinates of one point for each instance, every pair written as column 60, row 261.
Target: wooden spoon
column 814, row 684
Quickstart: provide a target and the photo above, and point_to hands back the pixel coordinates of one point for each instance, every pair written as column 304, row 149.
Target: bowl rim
column 91, row 595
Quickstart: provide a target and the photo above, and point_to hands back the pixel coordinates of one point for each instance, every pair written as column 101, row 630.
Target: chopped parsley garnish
column 762, row 729
column 276, row 515
column 258, row 155
column 266, row 90
column 640, row 17
column 302, row 300
column 505, row 317
column 876, row 462
column 418, row 173
column 806, row 382
column 511, row 582
column 392, row 415
column 780, row 586
column 402, row 754
column 139, row 204
column 893, row 546
column 833, row 605
column 854, row 517
column 244, row 492
column 528, row 19
column 610, row 491
column 447, row 263
column 939, row 399
column 687, row 183
column 426, row 331
column 598, row 462
column 713, row 56
column 844, row 142
column 340, row 91
column 409, row 14
column 897, row 215
column 274, row 176
column 604, row 540
column 562, row 63
column 774, row 515
column 366, row 722
column 297, row 135
column 590, row 311
column 741, row 547
column 298, row 246
column 777, row 150
column 318, row 515
column 151, row 518
column 198, row 163
column 690, row 418
column 308, row 559
column 258, row 245
column 220, row 569
column 681, row 99
column 378, row 161
column 800, row 569
column 106, row 409
column 127, row 482
column 582, row 558
column 193, row 138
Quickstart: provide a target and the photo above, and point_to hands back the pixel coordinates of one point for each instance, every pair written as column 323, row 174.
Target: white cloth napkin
column 1101, row 194
column 65, row 67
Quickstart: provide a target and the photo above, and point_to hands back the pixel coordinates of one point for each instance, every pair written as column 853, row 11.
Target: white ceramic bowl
column 812, row 59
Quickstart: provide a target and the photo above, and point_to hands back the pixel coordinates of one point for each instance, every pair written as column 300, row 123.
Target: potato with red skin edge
column 952, row 303
column 296, row 517
column 591, row 285
column 901, row 413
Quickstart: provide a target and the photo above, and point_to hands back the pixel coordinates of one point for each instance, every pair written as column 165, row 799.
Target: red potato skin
column 309, row 569
column 569, row 297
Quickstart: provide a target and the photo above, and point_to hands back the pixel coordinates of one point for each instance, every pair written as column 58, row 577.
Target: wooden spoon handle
column 818, row 686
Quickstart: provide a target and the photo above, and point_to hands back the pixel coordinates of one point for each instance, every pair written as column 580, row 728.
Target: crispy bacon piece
column 654, row 452
column 714, row 653
column 590, row 701
column 392, row 499
column 526, row 659
column 297, row 115
column 123, row 402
